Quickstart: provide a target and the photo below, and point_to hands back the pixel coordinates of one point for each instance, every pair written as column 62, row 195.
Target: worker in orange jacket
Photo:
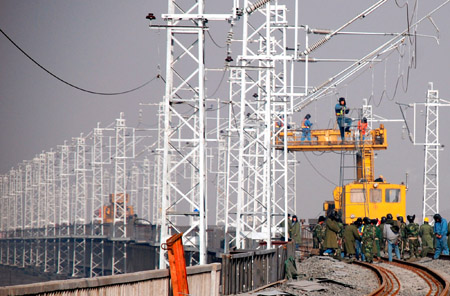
column 362, row 128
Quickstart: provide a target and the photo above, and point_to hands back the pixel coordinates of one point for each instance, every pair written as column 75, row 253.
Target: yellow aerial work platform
column 362, row 197
column 330, row 140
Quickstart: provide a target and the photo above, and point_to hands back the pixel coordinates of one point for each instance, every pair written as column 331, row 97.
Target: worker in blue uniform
column 343, row 122
column 306, row 128
column 440, row 231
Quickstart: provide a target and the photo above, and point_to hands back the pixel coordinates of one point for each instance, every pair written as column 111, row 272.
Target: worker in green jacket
column 319, row 234
column 351, row 235
column 426, row 234
column 331, row 232
column 368, row 239
column 295, row 232
column 378, row 239
column 412, row 233
column 403, row 239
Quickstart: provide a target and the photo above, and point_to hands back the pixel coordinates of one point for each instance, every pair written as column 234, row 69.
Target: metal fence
column 243, row 272
column 203, row 280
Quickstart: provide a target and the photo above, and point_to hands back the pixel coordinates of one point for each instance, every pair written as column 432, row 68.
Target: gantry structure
column 432, row 146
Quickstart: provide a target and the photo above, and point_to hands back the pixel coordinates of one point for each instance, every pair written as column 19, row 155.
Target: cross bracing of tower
column 84, row 194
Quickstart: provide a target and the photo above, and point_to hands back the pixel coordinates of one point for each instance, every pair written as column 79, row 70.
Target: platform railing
column 249, row 270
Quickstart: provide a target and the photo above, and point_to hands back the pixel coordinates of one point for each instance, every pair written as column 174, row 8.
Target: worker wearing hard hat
column 426, row 234
column 306, row 128
column 343, row 122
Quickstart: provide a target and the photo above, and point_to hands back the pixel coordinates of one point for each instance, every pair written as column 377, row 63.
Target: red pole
column 177, row 262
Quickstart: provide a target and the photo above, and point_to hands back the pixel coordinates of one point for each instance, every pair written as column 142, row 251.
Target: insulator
column 321, row 31
column 230, row 35
column 324, row 83
column 252, row 7
column 315, row 45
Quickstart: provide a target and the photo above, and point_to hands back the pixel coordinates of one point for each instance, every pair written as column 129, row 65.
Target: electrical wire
column 220, row 83
column 70, row 84
column 317, row 171
column 214, row 41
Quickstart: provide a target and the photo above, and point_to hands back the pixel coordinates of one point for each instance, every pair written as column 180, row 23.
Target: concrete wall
column 203, row 281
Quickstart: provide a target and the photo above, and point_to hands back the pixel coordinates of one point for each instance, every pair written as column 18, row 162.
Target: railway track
column 442, row 257
column 390, row 284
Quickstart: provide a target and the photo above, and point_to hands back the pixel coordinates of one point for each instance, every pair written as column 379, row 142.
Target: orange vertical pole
column 177, row 262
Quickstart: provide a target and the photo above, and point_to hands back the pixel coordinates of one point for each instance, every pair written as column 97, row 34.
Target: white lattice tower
column 120, row 196
column 432, row 146
column 98, row 195
column 50, row 228
column 18, row 211
column 11, row 216
column 4, row 218
column 258, row 190
column 80, row 218
column 282, row 181
column 134, row 192
column 146, row 211
column 158, row 169
column 20, row 258
column 63, row 210
column 28, row 212
column 232, row 159
column 41, row 210
column 221, row 182
column 35, row 221
column 184, row 125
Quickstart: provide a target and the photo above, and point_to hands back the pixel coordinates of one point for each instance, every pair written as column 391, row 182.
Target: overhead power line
column 72, row 85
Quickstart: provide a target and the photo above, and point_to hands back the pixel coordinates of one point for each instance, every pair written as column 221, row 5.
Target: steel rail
column 441, row 257
column 388, row 280
column 386, row 283
column 431, row 273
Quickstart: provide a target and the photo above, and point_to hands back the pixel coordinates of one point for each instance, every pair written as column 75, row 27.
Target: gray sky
column 106, row 46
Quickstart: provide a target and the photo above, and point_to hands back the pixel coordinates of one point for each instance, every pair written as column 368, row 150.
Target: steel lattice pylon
column 63, row 255
column 50, row 228
column 121, row 195
column 20, row 195
column 79, row 226
column 258, row 194
column 184, row 127
column 221, row 182
column 98, row 195
column 4, row 216
column 146, row 191
column 11, row 222
column 156, row 210
column 28, row 213
column 41, row 198
column 432, row 146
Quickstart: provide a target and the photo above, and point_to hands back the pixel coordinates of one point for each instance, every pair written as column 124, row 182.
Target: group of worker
column 366, row 238
column 344, row 123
